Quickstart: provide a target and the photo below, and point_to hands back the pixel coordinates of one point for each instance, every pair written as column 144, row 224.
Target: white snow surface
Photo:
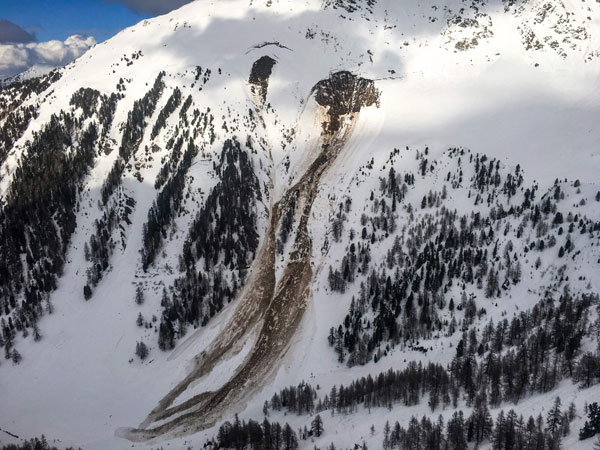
column 537, row 108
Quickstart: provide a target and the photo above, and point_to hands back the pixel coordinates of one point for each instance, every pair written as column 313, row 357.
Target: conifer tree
column 317, row 426
column 141, row 350
column 455, row 434
column 139, row 294
column 16, row 356
column 592, row 424
column 554, row 417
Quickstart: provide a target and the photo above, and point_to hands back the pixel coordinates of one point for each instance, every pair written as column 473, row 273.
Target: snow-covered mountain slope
column 240, row 196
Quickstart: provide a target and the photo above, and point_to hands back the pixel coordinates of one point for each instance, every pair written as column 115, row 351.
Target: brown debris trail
column 277, row 307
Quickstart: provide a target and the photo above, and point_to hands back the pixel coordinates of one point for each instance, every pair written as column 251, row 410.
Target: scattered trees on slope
column 132, row 135
column 223, row 237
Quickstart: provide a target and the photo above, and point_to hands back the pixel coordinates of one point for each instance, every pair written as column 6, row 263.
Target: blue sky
column 26, row 26
column 59, row 19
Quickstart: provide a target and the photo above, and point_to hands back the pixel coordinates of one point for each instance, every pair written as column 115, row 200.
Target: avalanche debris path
column 276, row 306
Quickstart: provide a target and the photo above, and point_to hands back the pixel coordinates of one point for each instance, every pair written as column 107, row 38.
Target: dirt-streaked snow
column 536, row 108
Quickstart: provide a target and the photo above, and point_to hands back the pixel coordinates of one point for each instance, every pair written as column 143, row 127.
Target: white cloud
column 16, row 58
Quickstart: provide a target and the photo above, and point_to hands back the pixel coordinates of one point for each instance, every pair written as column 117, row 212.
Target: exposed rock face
column 344, row 93
column 259, row 76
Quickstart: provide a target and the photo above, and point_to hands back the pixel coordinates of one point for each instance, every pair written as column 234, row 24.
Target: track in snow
column 277, row 307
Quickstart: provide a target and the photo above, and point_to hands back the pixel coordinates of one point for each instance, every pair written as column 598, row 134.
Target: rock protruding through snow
column 344, row 93
column 259, row 76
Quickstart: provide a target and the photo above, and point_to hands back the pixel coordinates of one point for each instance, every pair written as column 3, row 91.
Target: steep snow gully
column 272, row 307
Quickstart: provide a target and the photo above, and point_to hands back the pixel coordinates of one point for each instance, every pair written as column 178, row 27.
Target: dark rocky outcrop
column 344, row 93
column 259, row 76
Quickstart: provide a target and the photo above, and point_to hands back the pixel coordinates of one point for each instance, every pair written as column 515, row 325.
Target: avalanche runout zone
column 276, row 306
